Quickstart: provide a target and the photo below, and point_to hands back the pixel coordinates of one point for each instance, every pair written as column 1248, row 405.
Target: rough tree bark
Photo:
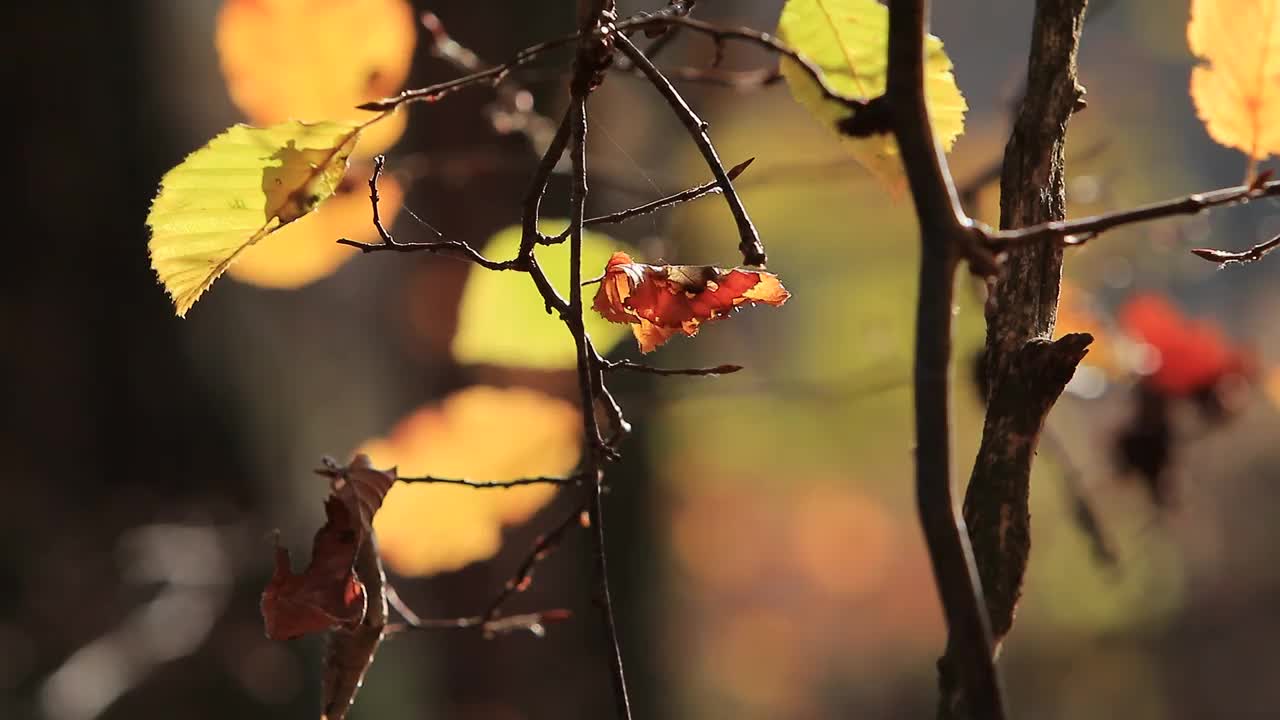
column 1024, row 369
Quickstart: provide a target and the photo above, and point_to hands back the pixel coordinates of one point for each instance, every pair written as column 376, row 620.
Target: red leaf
column 659, row 301
column 1193, row 356
column 329, row 593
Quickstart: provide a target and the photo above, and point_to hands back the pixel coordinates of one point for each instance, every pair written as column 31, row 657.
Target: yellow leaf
column 244, row 185
column 286, row 59
column 481, row 434
column 306, row 250
column 849, row 41
column 1237, row 93
column 501, row 318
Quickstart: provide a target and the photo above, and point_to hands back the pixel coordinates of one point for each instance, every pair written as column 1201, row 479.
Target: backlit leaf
column 1237, row 90
column 244, row 185
column 305, row 251
column 286, row 59
column 484, row 434
column 659, row 301
column 501, row 318
column 849, row 41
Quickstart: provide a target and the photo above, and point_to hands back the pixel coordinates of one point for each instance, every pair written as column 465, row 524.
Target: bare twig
column 532, row 208
column 432, row 480
column 641, row 368
column 1076, row 232
column 709, row 188
column 749, row 239
column 755, row 37
column 943, row 228
column 1227, row 257
column 514, row 110
column 492, row 75
column 523, row 576
column 455, row 248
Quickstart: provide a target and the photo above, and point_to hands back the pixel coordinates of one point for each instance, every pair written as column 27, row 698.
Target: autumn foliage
column 660, row 301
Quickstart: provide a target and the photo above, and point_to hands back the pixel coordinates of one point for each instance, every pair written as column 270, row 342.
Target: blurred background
column 763, row 543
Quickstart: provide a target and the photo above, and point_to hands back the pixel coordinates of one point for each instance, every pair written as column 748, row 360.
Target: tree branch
column 492, row 75
column 943, row 227
column 1025, row 370
column 749, row 239
column 432, row 480
column 1084, row 229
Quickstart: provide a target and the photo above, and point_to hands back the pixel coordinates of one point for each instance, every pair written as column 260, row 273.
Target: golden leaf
column 482, row 434
column 849, row 41
column 286, row 59
column 242, row 186
column 1237, row 91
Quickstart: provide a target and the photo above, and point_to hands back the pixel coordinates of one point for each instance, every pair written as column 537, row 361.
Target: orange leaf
column 329, row 593
column 481, row 434
column 660, row 301
column 1237, row 93
column 286, row 59
column 1192, row 356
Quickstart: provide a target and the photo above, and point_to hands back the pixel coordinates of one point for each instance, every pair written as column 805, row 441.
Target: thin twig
column 532, row 208
column 1076, row 232
column 523, row 576
column 649, row 369
column 749, row 244
column 709, row 188
column 693, row 193
column 1227, row 257
column 942, row 229
column 451, row 247
column 755, row 37
column 432, row 93
column 514, row 110
column 432, row 480
column 490, row 627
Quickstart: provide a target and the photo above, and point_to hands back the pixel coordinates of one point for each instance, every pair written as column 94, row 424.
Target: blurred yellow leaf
column 286, row 59
column 244, row 185
column 306, row 250
column 501, row 318
column 1237, row 93
column 479, row 433
column 849, row 41
column 1272, row 385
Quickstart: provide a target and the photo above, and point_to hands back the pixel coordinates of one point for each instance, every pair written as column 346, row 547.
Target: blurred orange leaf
column 1237, row 91
column 659, row 301
column 328, row 594
column 479, row 433
column 305, row 250
column 286, row 59
column 1191, row 356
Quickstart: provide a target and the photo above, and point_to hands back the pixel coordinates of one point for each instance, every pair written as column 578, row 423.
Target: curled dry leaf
column 660, row 301
column 329, row 593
